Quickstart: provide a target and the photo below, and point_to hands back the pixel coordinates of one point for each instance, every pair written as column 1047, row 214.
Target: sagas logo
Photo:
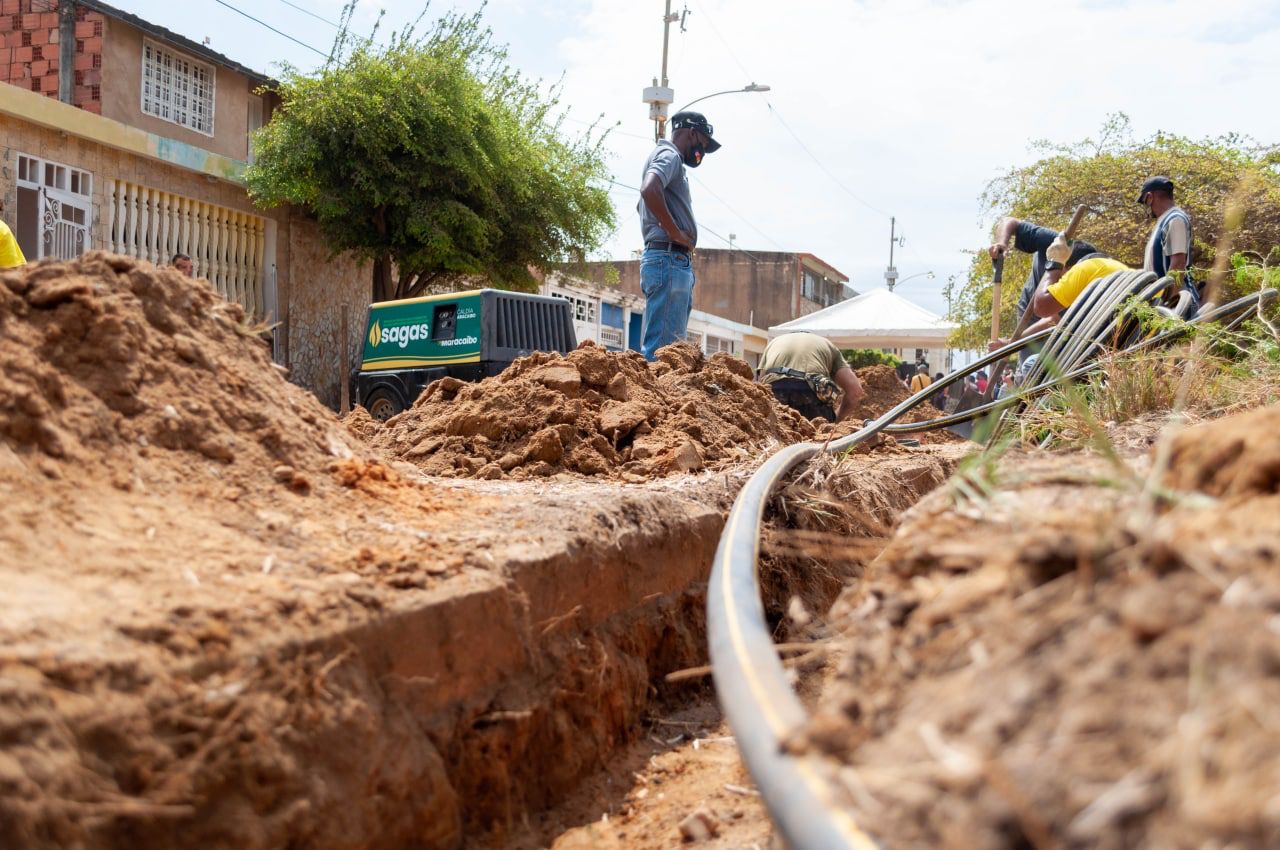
column 399, row 335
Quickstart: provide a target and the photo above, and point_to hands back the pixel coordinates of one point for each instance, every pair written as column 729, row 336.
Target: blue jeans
column 666, row 279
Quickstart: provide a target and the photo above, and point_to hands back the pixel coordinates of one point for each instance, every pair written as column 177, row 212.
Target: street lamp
column 929, row 275
column 753, row 87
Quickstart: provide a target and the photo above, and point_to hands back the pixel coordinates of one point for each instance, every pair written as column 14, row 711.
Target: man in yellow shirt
column 10, row 253
column 1062, row 284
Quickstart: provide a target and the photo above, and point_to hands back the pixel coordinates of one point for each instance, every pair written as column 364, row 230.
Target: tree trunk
column 383, row 287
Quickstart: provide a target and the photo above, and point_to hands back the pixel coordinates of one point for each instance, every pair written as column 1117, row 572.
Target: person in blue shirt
column 1030, row 239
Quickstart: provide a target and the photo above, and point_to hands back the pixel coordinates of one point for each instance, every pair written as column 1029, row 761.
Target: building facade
column 147, row 158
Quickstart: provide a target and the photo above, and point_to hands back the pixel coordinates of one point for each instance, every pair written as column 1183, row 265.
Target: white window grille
column 177, row 88
column 718, row 343
column 611, row 336
column 225, row 246
column 584, row 309
column 55, row 208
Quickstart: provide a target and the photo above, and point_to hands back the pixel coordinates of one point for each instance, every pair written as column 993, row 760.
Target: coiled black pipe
column 751, row 683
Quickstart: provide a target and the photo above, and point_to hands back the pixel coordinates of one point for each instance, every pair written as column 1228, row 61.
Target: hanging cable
column 273, row 29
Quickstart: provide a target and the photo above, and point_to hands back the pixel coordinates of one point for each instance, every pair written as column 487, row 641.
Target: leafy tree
column 860, row 357
column 434, row 159
column 1106, row 173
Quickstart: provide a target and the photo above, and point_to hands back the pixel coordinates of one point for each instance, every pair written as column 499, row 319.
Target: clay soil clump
column 594, row 413
column 1073, row 661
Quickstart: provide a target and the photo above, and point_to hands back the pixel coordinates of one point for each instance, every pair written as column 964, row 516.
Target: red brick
column 6, row 56
column 17, row 70
column 83, row 94
column 93, row 77
column 94, row 106
column 22, row 54
column 49, row 20
column 93, row 45
column 83, row 62
column 4, row 73
column 8, row 7
column 40, row 36
column 53, row 63
column 13, row 38
column 30, row 22
column 39, row 68
column 84, row 29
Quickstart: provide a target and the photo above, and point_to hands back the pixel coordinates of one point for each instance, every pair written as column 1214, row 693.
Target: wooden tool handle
column 1074, row 225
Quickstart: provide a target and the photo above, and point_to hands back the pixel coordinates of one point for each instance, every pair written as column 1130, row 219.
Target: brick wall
column 29, row 48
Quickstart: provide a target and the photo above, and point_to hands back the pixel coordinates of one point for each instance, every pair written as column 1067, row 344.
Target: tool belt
column 823, row 387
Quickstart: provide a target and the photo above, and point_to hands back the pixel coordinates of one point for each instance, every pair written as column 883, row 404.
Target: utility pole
column 891, row 273
column 660, row 96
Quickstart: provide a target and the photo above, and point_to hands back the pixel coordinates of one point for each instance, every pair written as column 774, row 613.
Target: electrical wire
column 778, row 115
column 773, row 110
column 312, row 14
column 273, row 29
column 702, row 227
column 745, row 220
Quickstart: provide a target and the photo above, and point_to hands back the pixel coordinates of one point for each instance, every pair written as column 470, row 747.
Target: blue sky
column 904, row 107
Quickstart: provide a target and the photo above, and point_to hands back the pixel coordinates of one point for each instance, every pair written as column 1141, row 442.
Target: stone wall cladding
column 322, row 286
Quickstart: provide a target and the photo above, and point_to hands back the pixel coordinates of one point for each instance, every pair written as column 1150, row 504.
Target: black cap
column 695, row 121
column 1156, row 184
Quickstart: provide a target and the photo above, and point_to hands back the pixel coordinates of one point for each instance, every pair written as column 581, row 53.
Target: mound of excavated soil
column 591, row 412
column 107, row 362
column 1068, row 664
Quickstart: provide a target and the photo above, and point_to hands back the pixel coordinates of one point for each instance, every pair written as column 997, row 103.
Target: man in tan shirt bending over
column 806, row 372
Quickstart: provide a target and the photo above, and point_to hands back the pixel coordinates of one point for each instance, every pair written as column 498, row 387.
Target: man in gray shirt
column 670, row 233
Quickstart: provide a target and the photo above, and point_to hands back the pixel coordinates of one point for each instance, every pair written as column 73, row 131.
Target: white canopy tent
column 877, row 319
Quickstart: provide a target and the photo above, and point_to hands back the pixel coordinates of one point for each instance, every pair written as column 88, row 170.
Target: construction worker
column 10, row 252
column 669, row 230
column 1030, row 239
column 1169, row 247
column 806, row 372
column 1062, row 284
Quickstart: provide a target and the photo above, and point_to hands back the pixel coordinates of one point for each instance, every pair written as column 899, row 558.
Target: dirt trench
column 230, row 622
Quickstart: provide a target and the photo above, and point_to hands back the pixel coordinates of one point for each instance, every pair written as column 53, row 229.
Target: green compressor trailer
column 466, row 335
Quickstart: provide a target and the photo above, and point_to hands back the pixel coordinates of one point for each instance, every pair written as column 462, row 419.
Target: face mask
column 694, row 157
